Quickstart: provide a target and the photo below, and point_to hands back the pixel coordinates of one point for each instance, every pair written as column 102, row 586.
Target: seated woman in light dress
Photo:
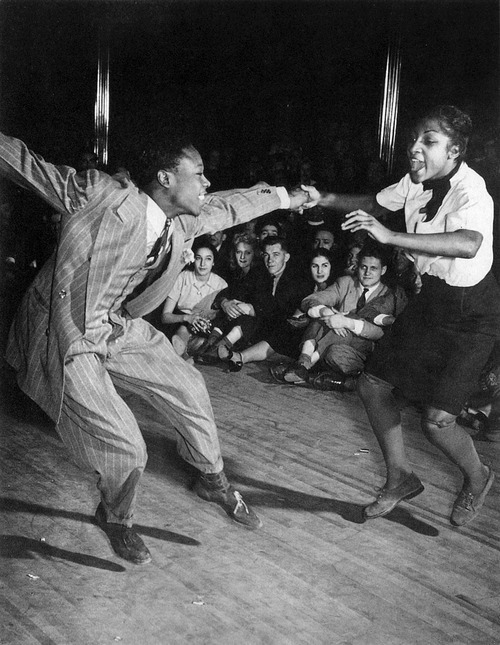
column 189, row 304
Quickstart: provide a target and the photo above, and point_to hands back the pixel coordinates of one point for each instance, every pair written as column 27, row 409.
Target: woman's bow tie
column 440, row 188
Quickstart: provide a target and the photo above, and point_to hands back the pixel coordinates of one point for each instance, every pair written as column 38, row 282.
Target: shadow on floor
column 271, row 495
column 23, row 548
column 12, row 505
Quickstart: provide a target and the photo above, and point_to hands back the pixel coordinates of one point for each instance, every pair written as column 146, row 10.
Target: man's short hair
column 271, row 240
column 325, row 229
column 269, row 220
column 371, row 249
column 160, row 149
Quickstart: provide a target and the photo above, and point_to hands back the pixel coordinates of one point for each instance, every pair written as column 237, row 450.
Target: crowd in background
column 274, row 324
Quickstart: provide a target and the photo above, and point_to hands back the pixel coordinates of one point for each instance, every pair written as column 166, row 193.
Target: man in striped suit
column 79, row 331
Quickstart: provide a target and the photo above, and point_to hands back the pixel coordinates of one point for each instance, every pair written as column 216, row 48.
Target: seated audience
column 351, row 267
column 221, row 241
column 349, row 317
column 267, row 226
column 246, row 269
column 273, row 296
column 324, row 239
column 189, row 304
column 284, row 338
column 354, row 244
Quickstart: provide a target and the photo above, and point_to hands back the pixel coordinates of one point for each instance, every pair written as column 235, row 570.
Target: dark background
column 243, row 74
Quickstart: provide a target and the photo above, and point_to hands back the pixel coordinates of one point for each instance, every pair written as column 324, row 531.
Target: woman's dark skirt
column 436, row 348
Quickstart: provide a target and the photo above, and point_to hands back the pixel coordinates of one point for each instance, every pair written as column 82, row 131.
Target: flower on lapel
column 187, row 256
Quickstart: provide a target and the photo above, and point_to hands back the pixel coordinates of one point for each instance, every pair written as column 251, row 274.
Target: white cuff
column 358, row 327
column 320, row 310
column 383, row 320
column 284, row 197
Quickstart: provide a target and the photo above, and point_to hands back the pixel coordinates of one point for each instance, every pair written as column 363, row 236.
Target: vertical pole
column 388, row 117
column 101, row 109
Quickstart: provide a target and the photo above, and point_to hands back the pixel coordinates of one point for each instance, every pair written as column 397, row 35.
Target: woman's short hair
column 327, row 254
column 204, row 244
column 243, row 238
column 323, row 253
column 456, row 124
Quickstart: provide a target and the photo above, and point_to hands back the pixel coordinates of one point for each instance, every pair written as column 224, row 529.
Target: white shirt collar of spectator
column 370, row 290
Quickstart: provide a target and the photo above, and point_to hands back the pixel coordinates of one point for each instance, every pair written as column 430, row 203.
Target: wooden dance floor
column 314, row 574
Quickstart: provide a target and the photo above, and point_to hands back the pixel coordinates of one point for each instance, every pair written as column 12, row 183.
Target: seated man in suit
column 349, row 317
column 80, row 331
column 272, row 298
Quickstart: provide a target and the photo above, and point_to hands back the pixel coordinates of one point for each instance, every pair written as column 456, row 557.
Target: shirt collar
column 277, row 276
column 155, row 216
column 370, row 290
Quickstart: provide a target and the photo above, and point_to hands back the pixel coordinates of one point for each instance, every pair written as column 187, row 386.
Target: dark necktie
column 159, row 245
column 361, row 300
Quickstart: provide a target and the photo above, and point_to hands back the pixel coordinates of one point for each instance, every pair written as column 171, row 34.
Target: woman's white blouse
column 467, row 205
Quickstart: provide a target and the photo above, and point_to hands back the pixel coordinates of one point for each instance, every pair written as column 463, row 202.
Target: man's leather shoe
column 389, row 498
column 216, row 488
column 332, row 382
column 123, row 539
column 467, row 505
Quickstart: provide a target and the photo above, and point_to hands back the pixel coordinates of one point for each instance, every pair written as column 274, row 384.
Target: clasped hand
column 198, row 322
column 300, row 199
column 235, row 308
column 338, row 323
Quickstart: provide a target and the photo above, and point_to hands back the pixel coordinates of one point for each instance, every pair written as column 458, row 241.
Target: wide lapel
column 378, row 291
column 352, row 295
column 157, row 292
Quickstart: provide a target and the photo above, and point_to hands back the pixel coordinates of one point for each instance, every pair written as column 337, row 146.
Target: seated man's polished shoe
column 467, row 505
column 389, row 498
column 123, row 539
column 333, row 382
column 216, row 488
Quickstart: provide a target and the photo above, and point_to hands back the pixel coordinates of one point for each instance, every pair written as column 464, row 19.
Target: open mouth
column 416, row 165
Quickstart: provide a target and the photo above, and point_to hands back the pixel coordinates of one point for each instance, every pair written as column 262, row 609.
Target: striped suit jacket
column 101, row 252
